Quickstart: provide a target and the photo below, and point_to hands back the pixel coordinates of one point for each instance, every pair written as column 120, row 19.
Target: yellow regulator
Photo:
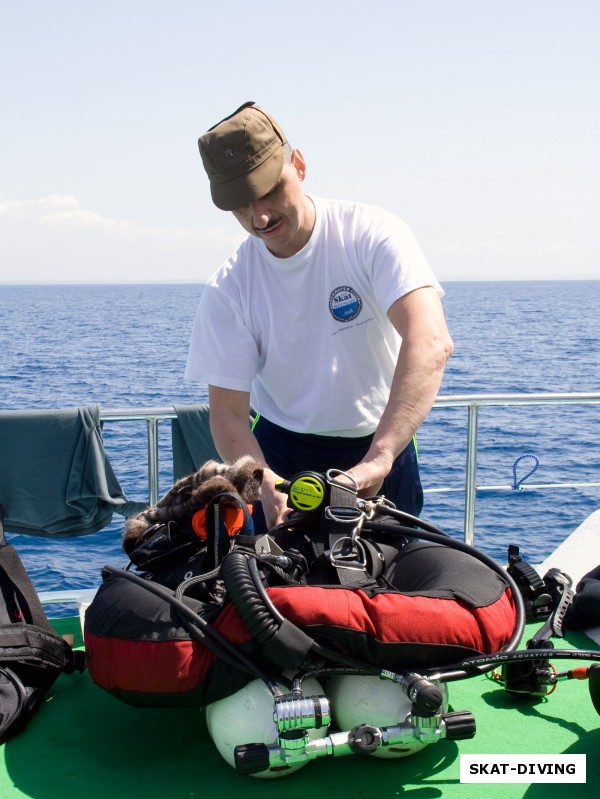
column 306, row 491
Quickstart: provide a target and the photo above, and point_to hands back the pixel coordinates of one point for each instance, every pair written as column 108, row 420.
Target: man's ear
column 299, row 163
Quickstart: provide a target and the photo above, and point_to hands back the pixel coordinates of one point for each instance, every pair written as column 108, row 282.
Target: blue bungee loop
column 518, row 484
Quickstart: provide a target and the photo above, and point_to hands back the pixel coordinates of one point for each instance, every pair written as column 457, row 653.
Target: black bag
column 584, row 613
column 32, row 655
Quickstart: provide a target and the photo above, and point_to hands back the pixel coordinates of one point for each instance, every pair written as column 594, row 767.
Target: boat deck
column 83, row 742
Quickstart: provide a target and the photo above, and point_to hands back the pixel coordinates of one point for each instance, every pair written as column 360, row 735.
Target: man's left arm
column 426, row 346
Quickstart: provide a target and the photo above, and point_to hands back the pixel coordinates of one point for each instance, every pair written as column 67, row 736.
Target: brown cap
column 242, row 156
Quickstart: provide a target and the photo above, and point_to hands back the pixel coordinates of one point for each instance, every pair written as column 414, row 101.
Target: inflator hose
column 246, row 598
column 263, row 620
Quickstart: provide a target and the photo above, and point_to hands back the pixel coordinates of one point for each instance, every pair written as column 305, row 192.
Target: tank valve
column 364, row 739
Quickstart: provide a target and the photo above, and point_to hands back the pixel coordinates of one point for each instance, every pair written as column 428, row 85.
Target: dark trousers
column 288, row 453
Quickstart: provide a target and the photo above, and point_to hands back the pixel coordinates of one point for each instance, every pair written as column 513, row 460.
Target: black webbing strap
column 218, row 539
column 348, row 553
column 554, row 625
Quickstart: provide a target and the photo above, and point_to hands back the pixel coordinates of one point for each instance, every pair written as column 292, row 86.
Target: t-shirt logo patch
column 345, row 304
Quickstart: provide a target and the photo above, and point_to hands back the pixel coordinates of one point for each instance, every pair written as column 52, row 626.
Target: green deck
column 85, row 743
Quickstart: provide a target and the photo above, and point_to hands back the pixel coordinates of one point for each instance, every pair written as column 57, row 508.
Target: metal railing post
column 153, row 460
column 471, row 474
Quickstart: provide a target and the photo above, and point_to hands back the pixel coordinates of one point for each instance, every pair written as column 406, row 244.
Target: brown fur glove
column 191, row 493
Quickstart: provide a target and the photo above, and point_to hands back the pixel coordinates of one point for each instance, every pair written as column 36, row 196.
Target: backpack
column 32, row 655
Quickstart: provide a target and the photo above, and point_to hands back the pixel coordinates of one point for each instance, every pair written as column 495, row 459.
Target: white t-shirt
column 309, row 335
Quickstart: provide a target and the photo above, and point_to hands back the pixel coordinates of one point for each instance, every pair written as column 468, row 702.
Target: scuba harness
column 334, row 541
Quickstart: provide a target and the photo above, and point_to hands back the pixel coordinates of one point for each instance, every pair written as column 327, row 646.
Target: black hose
column 468, row 667
column 262, row 591
column 246, row 598
column 518, row 656
column 263, row 620
column 414, row 521
column 256, row 608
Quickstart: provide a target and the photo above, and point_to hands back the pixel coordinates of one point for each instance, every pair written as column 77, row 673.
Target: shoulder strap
column 355, row 561
column 18, row 599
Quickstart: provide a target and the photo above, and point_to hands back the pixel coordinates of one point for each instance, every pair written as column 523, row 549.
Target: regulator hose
column 352, row 665
column 246, row 598
column 409, row 519
column 263, row 620
column 427, row 531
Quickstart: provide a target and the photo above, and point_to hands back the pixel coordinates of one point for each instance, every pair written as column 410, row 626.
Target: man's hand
column 274, row 502
column 229, row 424
column 369, row 474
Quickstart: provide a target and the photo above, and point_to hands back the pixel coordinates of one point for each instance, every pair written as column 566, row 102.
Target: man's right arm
column 233, row 438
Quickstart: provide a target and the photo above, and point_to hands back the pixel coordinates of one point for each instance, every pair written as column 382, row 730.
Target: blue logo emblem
column 345, row 304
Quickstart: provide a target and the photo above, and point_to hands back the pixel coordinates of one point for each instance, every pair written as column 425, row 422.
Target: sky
column 477, row 122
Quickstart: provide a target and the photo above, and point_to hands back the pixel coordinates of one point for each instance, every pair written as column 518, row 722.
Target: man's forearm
column 233, row 437
column 426, row 346
column 414, row 389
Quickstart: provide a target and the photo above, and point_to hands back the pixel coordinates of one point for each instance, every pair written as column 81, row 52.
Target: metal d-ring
column 332, row 474
column 345, row 515
column 350, row 561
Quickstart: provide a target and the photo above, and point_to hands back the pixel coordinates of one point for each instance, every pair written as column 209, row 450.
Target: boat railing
column 471, row 402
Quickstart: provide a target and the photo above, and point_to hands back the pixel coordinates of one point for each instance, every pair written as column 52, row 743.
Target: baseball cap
column 243, row 157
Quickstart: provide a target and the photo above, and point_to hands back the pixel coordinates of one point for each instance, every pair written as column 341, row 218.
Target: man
column 327, row 320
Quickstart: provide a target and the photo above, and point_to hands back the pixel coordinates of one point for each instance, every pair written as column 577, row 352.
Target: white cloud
column 54, row 239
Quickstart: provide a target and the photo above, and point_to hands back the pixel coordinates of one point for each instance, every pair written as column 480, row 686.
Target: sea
column 125, row 346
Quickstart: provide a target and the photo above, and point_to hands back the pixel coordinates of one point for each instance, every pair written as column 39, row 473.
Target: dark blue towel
column 191, row 439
